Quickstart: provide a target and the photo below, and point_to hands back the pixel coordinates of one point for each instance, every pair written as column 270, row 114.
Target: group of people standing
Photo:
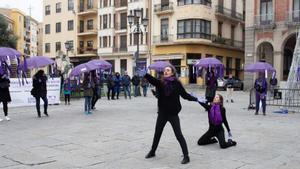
column 115, row 81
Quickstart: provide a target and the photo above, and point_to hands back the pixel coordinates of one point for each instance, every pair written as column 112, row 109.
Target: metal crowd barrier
column 288, row 99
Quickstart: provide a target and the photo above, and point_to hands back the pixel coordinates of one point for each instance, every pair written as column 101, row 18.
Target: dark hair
column 173, row 70
column 221, row 99
column 39, row 73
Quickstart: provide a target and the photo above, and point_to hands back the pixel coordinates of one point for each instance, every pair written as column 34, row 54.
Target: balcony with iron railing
column 227, row 42
column 160, row 9
column 229, row 14
column 87, row 51
column 84, row 31
column 293, row 18
column 87, row 10
column 264, row 21
column 163, row 39
column 120, row 49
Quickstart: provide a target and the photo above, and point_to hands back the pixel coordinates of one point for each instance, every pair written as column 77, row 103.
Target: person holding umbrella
column 5, row 94
column 261, row 87
column 88, row 86
column 170, row 89
column 39, row 91
column 211, row 86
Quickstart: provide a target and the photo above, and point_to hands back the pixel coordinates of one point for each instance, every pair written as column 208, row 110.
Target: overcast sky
column 24, row 5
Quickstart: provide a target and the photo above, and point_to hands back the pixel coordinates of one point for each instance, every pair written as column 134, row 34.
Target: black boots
column 150, row 154
column 185, row 160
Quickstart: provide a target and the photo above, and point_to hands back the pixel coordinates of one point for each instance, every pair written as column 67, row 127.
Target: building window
column 105, row 4
column 70, row 5
column 164, row 29
column 81, row 44
column 124, row 20
column 47, row 10
column 266, row 11
column 188, row 2
column 296, row 10
column 47, row 29
column 123, row 42
column 104, row 21
column 58, row 27
column 90, row 24
column 71, row 43
column 58, row 7
column 220, row 25
column 135, row 38
column 193, row 28
column 123, row 3
column 47, row 47
column 105, row 41
column 123, row 65
column 89, row 45
column 70, row 25
column 89, row 4
column 57, row 46
column 228, row 65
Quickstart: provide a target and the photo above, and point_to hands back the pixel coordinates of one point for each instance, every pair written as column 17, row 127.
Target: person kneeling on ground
column 216, row 116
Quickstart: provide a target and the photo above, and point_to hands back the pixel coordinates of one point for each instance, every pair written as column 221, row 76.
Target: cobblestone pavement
column 119, row 134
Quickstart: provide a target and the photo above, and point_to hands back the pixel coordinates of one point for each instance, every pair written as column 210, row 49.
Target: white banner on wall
column 20, row 94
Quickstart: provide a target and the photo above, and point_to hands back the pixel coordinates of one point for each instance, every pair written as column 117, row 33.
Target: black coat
column 39, row 84
column 4, row 90
column 136, row 80
column 169, row 105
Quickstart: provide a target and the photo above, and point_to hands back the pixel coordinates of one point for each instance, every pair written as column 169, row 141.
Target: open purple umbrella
column 260, row 67
column 208, row 62
column 101, row 64
column 83, row 68
column 39, row 61
column 159, row 65
column 8, row 52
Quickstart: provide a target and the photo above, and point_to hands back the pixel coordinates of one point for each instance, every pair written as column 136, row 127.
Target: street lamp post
column 134, row 20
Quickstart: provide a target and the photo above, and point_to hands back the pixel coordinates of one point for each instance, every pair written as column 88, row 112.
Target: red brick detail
column 262, row 35
column 281, row 8
column 255, row 7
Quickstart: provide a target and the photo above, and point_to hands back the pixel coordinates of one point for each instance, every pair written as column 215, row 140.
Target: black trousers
column 45, row 100
column 175, row 122
column 95, row 98
column 67, row 98
column 109, row 90
column 208, row 137
column 5, row 108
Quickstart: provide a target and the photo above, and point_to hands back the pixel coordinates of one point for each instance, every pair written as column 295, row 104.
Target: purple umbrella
column 83, row 68
column 259, row 67
column 208, row 62
column 101, row 64
column 159, row 65
column 10, row 52
column 38, row 61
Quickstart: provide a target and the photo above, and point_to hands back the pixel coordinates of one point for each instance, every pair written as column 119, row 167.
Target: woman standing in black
column 216, row 116
column 4, row 94
column 39, row 90
column 169, row 89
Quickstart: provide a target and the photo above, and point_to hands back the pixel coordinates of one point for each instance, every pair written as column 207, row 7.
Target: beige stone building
column 40, row 34
column 117, row 41
column 186, row 30
column 74, row 22
column 271, row 28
